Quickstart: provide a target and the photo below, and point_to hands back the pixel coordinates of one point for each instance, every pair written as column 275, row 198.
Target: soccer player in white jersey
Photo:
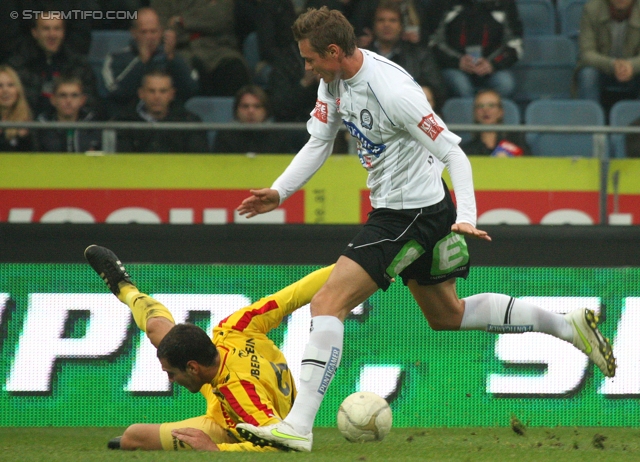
column 413, row 231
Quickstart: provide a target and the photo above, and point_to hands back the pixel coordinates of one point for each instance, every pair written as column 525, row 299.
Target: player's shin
column 320, row 360
column 503, row 314
column 144, row 307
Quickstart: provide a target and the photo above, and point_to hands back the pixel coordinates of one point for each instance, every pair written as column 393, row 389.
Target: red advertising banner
column 543, row 207
column 176, row 206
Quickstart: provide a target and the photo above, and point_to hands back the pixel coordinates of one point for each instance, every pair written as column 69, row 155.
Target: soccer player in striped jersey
column 241, row 373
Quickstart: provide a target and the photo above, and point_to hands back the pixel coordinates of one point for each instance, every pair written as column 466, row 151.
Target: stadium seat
column 538, row 17
column 621, row 115
column 217, row 109
column 460, row 111
column 563, row 112
column 569, row 15
column 546, row 68
column 106, row 41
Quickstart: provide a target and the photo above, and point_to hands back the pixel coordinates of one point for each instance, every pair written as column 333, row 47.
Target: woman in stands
column 488, row 110
column 13, row 108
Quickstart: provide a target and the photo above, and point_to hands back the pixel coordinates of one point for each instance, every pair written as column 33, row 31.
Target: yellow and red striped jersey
column 254, row 384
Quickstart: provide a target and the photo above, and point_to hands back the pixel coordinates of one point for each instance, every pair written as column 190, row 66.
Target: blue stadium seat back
column 107, row 41
column 538, row 17
column 218, row 109
column 569, row 15
column 460, row 111
column 546, row 68
column 621, row 115
column 563, row 112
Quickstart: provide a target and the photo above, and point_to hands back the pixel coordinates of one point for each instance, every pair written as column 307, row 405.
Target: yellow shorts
column 204, row 423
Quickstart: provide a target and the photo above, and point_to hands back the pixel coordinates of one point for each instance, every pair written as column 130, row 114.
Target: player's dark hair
column 325, row 27
column 187, row 342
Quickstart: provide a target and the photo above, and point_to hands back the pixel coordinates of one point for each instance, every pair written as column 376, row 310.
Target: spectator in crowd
column 609, row 64
column 156, row 104
column 420, row 18
column 78, row 25
column 252, row 107
column 68, row 105
column 488, row 110
column 206, row 39
column 475, row 43
column 46, row 56
column 150, row 48
column 13, row 108
column 417, row 60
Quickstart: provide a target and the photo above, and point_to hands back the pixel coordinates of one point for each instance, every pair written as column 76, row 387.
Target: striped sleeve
column 268, row 312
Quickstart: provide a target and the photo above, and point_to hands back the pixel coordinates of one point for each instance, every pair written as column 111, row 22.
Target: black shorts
column 416, row 244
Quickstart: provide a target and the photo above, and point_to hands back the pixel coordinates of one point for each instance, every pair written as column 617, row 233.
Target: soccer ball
column 364, row 416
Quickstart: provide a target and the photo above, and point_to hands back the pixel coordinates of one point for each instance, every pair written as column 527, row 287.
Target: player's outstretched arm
column 261, row 201
column 468, row 230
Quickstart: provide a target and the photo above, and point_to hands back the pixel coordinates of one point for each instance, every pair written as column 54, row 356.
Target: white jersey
column 401, row 141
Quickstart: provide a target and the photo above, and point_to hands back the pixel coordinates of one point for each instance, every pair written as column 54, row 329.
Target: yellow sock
column 142, row 306
column 126, row 289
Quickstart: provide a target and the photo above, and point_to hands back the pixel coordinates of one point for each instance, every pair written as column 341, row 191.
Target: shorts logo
column 366, row 120
column 338, row 103
column 449, row 254
column 321, row 112
column 430, row 126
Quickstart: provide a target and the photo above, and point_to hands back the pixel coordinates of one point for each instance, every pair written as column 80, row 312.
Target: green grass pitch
column 563, row 444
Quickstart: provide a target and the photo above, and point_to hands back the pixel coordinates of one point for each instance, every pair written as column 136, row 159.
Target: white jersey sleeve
column 303, row 166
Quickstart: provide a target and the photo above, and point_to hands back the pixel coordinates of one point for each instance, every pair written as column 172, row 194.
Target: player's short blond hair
column 325, row 27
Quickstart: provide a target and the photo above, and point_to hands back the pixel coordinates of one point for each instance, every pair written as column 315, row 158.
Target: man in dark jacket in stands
column 69, row 105
column 157, row 105
column 150, row 48
column 46, row 56
column 417, row 60
column 475, row 43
